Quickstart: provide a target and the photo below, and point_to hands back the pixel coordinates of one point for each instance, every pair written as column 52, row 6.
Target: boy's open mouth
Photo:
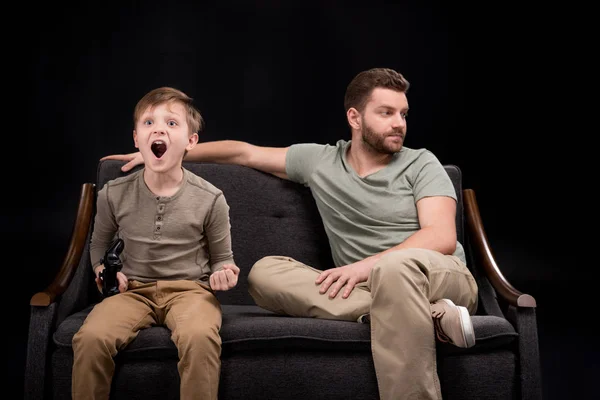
column 159, row 148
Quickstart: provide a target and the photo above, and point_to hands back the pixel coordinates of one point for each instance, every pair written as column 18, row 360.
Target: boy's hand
column 133, row 158
column 226, row 278
column 121, row 278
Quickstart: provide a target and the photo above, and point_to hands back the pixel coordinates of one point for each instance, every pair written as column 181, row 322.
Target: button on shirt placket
column 159, row 218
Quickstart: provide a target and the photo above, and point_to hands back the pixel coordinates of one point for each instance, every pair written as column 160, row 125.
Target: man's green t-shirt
column 368, row 215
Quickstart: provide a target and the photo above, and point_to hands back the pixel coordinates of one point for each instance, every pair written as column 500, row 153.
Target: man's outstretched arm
column 267, row 159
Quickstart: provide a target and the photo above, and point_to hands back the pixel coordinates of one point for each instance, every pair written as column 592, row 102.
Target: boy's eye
column 172, row 123
column 147, row 122
column 404, row 115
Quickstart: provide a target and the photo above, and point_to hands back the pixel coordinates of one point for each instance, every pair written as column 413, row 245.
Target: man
column 389, row 213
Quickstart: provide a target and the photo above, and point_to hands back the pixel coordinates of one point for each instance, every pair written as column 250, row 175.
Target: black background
column 486, row 94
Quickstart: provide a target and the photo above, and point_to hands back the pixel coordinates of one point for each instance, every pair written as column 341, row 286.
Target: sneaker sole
column 465, row 322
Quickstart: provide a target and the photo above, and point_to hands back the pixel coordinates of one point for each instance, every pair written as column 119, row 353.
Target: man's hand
column 348, row 276
column 225, row 278
column 133, row 158
column 121, row 278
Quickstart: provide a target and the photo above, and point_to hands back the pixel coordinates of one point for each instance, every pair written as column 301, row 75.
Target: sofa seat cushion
column 247, row 327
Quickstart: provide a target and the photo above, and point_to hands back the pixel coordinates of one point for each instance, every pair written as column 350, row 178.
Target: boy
column 177, row 252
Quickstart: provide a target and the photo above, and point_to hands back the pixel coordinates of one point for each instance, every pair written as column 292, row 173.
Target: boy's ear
column 192, row 141
column 135, row 142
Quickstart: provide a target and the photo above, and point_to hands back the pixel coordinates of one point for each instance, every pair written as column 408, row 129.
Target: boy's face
column 162, row 135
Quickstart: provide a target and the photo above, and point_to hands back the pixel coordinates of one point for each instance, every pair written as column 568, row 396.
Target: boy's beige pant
column 187, row 308
column 397, row 294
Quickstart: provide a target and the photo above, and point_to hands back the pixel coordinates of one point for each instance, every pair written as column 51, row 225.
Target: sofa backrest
column 269, row 216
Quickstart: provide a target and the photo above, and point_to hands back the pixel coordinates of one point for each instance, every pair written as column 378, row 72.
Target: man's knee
column 403, row 259
column 402, row 266
column 268, row 261
column 264, row 268
column 260, row 269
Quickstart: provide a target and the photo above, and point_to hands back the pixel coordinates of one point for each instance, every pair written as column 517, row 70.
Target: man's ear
column 135, row 142
column 354, row 118
column 192, row 141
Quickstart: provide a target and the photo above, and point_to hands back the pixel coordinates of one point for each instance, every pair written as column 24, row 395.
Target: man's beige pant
column 397, row 294
column 188, row 309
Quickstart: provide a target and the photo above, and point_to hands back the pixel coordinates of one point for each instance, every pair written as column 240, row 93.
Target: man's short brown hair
column 360, row 88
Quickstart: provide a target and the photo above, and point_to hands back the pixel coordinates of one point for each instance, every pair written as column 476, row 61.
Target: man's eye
column 404, row 115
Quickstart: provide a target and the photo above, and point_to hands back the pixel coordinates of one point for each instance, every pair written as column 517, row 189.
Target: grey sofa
column 266, row 356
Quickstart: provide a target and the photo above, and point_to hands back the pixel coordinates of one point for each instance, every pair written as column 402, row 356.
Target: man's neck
column 164, row 184
column 365, row 160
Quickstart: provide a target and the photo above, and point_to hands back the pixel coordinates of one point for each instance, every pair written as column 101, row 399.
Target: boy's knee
column 198, row 336
column 87, row 338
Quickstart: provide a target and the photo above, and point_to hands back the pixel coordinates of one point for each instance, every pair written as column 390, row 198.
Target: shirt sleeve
column 302, row 159
column 431, row 178
column 218, row 234
column 105, row 227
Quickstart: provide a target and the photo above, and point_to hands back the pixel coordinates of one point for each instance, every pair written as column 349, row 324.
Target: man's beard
column 376, row 141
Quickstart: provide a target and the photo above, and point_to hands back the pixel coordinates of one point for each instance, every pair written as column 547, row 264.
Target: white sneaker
column 452, row 323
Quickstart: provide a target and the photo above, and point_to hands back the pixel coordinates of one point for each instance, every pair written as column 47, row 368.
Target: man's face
column 383, row 125
column 162, row 135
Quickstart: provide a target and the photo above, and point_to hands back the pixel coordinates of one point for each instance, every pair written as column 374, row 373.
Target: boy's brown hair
column 164, row 95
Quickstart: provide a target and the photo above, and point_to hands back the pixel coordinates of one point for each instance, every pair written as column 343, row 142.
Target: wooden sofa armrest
column 484, row 255
column 77, row 243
